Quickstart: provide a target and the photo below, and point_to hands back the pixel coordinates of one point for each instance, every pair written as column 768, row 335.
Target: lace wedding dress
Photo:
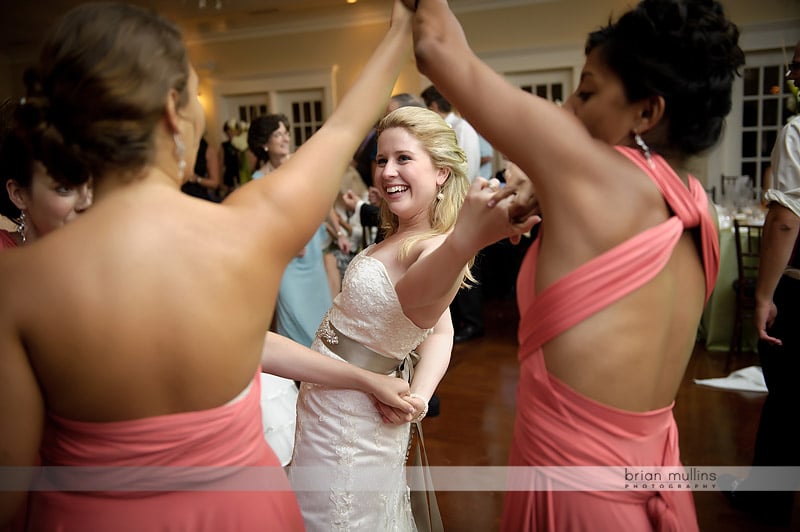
column 348, row 467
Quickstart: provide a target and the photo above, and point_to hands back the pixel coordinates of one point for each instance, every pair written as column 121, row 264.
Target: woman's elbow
column 426, row 47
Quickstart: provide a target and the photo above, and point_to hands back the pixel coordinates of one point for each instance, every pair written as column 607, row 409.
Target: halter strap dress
column 557, row 426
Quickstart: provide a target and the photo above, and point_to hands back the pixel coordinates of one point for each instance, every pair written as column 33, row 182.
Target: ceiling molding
column 368, row 16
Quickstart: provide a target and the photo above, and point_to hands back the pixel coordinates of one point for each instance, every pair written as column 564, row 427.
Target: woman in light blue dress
column 304, row 294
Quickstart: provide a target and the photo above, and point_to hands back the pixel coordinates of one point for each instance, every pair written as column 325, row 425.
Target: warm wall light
column 352, row 1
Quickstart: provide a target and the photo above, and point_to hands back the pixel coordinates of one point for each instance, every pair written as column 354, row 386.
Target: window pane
column 769, row 115
column 750, row 79
column 541, row 91
column 308, row 132
column 768, row 141
column 785, row 84
column 750, row 113
column 296, row 113
column 298, row 134
column 749, row 139
column 558, row 92
column 307, row 112
column 749, row 169
column 318, row 111
column 527, row 88
column 772, row 79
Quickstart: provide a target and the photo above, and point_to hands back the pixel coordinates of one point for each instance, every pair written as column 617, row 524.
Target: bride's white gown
column 358, row 462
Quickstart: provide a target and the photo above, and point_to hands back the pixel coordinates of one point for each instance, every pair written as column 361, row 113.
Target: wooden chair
column 748, row 245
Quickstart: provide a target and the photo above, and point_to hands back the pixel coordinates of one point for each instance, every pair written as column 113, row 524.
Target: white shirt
column 786, row 168
column 468, row 140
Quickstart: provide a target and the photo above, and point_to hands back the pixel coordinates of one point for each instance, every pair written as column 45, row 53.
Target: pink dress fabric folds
column 557, row 426
column 207, row 470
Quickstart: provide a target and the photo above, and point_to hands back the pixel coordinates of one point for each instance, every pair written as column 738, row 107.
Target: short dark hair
column 432, row 94
column 260, row 130
column 22, row 146
column 405, row 99
column 16, row 163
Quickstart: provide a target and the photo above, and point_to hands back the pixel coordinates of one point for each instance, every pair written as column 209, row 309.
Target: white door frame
column 272, row 84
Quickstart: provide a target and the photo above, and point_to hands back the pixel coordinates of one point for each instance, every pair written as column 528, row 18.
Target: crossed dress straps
column 609, row 277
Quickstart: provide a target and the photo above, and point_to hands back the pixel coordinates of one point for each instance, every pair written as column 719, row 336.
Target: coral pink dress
column 208, row 470
column 6, row 240
column 557, row 426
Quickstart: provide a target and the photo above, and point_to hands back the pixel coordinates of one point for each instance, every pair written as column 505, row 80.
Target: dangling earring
column 21, row 227
column 637, row 138
column 180, row 151
column 440, row 195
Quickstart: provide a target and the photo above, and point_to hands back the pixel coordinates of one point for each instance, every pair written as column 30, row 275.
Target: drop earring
column 440, row 195
column 637, row 138
column 180, row 151
column 22, row 227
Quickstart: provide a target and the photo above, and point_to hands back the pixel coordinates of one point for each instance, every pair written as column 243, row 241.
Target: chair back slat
column 748, row 248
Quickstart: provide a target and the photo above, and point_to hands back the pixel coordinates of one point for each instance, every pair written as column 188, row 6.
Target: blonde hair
column 439, row 141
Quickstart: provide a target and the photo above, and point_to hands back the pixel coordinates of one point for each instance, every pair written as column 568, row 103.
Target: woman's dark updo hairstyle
column 23, row 144
column 104, row 75
column 18, row 153
column 260, row 130
column 683, row 50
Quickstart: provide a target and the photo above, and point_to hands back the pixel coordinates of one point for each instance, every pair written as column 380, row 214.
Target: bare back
column 134, row 312
column 633, row 353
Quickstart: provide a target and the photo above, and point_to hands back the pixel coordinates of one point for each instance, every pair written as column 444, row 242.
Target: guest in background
column 364, row 157
column 403, row 99
column 487, row 155
column 777, row 316
column 467, row 307
column 349, row 223
column 151, row 297
column 612, row 291
column 305, row 293
column 246, row 157
column 31, row 198
column 205, row 180
column 36, row 202
column 368, row 212
column 231, row 157
column 467, row 137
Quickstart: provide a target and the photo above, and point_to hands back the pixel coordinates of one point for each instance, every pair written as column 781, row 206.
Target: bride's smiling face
column 405, row 175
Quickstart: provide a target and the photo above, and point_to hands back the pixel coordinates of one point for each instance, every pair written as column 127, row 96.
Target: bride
column 394, row 300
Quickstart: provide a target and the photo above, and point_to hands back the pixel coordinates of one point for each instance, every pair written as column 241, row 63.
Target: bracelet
column 424, row 409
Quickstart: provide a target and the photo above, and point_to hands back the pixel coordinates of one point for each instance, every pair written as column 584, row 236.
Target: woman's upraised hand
column 484, row 220
column 410, row 4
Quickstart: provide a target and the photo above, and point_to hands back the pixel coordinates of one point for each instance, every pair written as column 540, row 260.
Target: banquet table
column 716, row 325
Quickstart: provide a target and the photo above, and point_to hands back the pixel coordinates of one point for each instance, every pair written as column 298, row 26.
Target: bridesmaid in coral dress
column 611, row 293
column 132, row 338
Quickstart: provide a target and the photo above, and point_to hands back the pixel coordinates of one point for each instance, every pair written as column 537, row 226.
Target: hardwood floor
column 477, row 414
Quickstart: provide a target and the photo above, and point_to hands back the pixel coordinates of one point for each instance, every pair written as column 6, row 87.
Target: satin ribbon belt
column 362, row 356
